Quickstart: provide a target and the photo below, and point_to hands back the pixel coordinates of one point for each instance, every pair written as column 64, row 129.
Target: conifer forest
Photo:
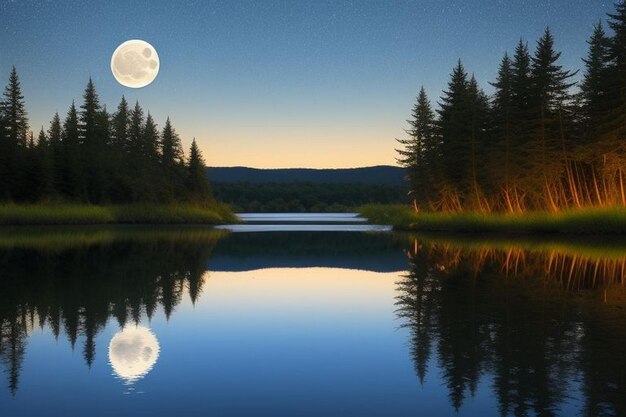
column 547, row 138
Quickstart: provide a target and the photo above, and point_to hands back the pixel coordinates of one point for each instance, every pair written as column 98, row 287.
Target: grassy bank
column 79, row 214
column 587, row 221
column 53, row 239
column 581, row 246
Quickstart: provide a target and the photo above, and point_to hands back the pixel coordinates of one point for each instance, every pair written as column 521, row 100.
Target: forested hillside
column 377, row 175
column 307, row 190
column 305, row 196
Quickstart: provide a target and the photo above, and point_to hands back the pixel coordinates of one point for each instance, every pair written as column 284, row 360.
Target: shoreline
column 584, row 221
column 74, row 214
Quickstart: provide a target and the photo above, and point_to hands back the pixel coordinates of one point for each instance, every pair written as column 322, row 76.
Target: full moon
column 135, row 63
column 133, row 351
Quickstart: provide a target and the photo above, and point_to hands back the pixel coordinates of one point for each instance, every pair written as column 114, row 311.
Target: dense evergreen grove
column 93, row 156
column 541, row 141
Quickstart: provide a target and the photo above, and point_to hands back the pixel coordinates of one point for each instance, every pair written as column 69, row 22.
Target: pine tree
column 480, row 149
column 594, row 88
column 45, row 165
column 171, row 148
column 103, row 127
column 197, row 181
column 419, row 155
column 42, row 139
column 503, row 161
column 119, row 162
column 71, row 129
column 14, row 129
column 150, row 141
column 550, row 80
column 5, row 189
column 14, row 111
column 91, row 145
column 616, row 77
column 135, row 132
column 521, row 126
column 502, row 112
column 503, row 96
column 55, row 140
column 149, row 160
column 103, row 165
column 521, row 90
column 137, row 178
column 503, row 105
column 172, row 163
column 455, row 130
column 548, row 107
column 119, row 127
column 88, row 115
column 72, row 185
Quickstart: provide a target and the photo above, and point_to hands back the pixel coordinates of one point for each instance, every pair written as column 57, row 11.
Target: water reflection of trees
column 540, row 325
column 76, row 289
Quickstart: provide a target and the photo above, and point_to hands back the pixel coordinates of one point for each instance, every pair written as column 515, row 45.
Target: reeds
column 601, row 220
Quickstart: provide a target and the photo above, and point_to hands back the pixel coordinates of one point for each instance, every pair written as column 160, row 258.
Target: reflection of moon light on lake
column 133, row 351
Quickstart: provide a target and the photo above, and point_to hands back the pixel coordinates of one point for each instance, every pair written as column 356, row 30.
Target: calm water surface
column 197, row 322
column 303, row 222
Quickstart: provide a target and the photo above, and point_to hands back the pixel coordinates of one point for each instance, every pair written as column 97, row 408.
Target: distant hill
column 305, row 189
column 374, row 175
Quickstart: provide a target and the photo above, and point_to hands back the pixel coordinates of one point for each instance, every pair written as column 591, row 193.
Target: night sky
column 278, row 83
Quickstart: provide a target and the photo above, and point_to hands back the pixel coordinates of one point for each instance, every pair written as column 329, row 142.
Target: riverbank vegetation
column 55, row 239
column 582, row 247
column 540, row 142
column 95, row 167
column 599, row 220
column 74, row 214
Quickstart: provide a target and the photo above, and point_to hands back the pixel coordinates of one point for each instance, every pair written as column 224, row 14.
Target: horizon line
column 299, row 167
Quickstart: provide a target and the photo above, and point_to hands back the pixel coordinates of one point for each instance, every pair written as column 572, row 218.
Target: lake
column 308, row 316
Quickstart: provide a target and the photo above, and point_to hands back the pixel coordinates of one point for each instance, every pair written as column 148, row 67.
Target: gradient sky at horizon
column 278, row 83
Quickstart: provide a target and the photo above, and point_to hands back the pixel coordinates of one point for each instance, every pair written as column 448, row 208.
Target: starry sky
column 287, row 83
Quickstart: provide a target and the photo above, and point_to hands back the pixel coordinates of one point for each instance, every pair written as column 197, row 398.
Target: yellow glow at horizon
column 289, row 145
column 294, row 155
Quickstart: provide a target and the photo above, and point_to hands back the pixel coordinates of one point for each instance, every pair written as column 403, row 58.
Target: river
column 308, row 315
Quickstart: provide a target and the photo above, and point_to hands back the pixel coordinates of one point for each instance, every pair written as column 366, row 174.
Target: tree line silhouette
column 297, row 197
column 95, row 157
column 536, row 143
